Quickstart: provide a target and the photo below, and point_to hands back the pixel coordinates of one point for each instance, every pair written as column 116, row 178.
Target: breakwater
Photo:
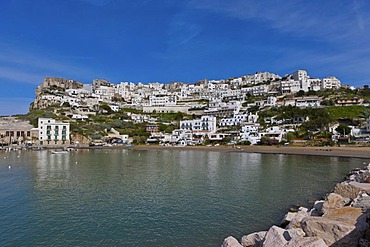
column 340, row 219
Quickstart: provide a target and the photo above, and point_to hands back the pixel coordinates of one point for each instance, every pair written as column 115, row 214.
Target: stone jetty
column 341, row 219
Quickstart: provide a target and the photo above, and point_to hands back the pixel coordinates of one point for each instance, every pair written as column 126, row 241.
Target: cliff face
column 51, row 89
column 61, row 83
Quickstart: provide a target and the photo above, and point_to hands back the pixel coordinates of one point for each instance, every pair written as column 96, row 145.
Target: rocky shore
column 341, row 219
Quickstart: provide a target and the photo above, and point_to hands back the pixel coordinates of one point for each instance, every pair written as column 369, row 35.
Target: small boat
column 59, row 152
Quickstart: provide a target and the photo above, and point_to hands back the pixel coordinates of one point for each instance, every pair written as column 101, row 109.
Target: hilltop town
column 261, row 108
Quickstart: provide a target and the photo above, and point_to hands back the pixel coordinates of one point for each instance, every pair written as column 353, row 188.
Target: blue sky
column 171, row 40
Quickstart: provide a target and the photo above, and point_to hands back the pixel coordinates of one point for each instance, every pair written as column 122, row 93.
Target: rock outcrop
column 275, row 236
column 331, row 231
column 254, row 239
column 339, row 220
column 231, row 242
column 332, row 201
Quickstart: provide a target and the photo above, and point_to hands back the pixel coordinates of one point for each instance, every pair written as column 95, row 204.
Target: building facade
column 205, row 123
column 52, row 132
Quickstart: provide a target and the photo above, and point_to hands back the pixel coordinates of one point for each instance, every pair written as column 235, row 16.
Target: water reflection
column 94, row 198
column 52, row 166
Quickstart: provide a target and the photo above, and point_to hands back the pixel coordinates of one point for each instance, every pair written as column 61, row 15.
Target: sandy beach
column 344, row 151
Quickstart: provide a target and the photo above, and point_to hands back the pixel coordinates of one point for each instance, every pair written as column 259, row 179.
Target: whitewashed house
column 249, row 133
column 330, row 82
column 52, row 132
column 205, row 123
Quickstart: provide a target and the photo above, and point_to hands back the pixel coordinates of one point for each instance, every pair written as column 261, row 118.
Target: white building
column 290, row 86
column 205, row 123
column 307, row 102
column 162, row 100
column 314, row 84
column 330, row 83
column 52, row 132
column 238, row 119
column 105, row 92
column 249, row 133
column 300, row 75
column 114, row 107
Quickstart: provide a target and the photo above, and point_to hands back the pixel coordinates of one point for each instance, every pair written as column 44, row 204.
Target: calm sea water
column 153, row 198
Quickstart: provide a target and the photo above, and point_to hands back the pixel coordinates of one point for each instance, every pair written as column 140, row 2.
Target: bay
column 154, row 197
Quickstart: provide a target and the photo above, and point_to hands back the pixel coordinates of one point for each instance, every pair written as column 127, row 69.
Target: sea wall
column 340, row 219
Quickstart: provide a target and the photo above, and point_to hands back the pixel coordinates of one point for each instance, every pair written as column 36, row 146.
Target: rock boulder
column 306, row 242
column 275, row 237
column 231, row 242
column 254, row 239
column 332, row 201
column 333, row 232
column 362, row 201
column 347, row 190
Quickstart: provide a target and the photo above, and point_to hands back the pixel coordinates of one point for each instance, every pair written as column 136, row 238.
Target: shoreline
column 345, row 151
column 360, row 152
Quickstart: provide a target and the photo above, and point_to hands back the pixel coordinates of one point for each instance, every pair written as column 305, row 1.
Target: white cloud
column 327, row 21
column 181, row 32
column 19, row 75
column 357, row 8
column 31, row 66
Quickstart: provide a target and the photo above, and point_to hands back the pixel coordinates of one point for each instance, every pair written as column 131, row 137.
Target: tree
column 343, row 129
column 300, row 93
column 66, row 104
column 290, row 136
column 327, row 102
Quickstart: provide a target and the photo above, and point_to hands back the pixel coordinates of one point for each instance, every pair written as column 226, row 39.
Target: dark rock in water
column 318, row 207
column 287, row 219
column 312, row 200
column 294, row 208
